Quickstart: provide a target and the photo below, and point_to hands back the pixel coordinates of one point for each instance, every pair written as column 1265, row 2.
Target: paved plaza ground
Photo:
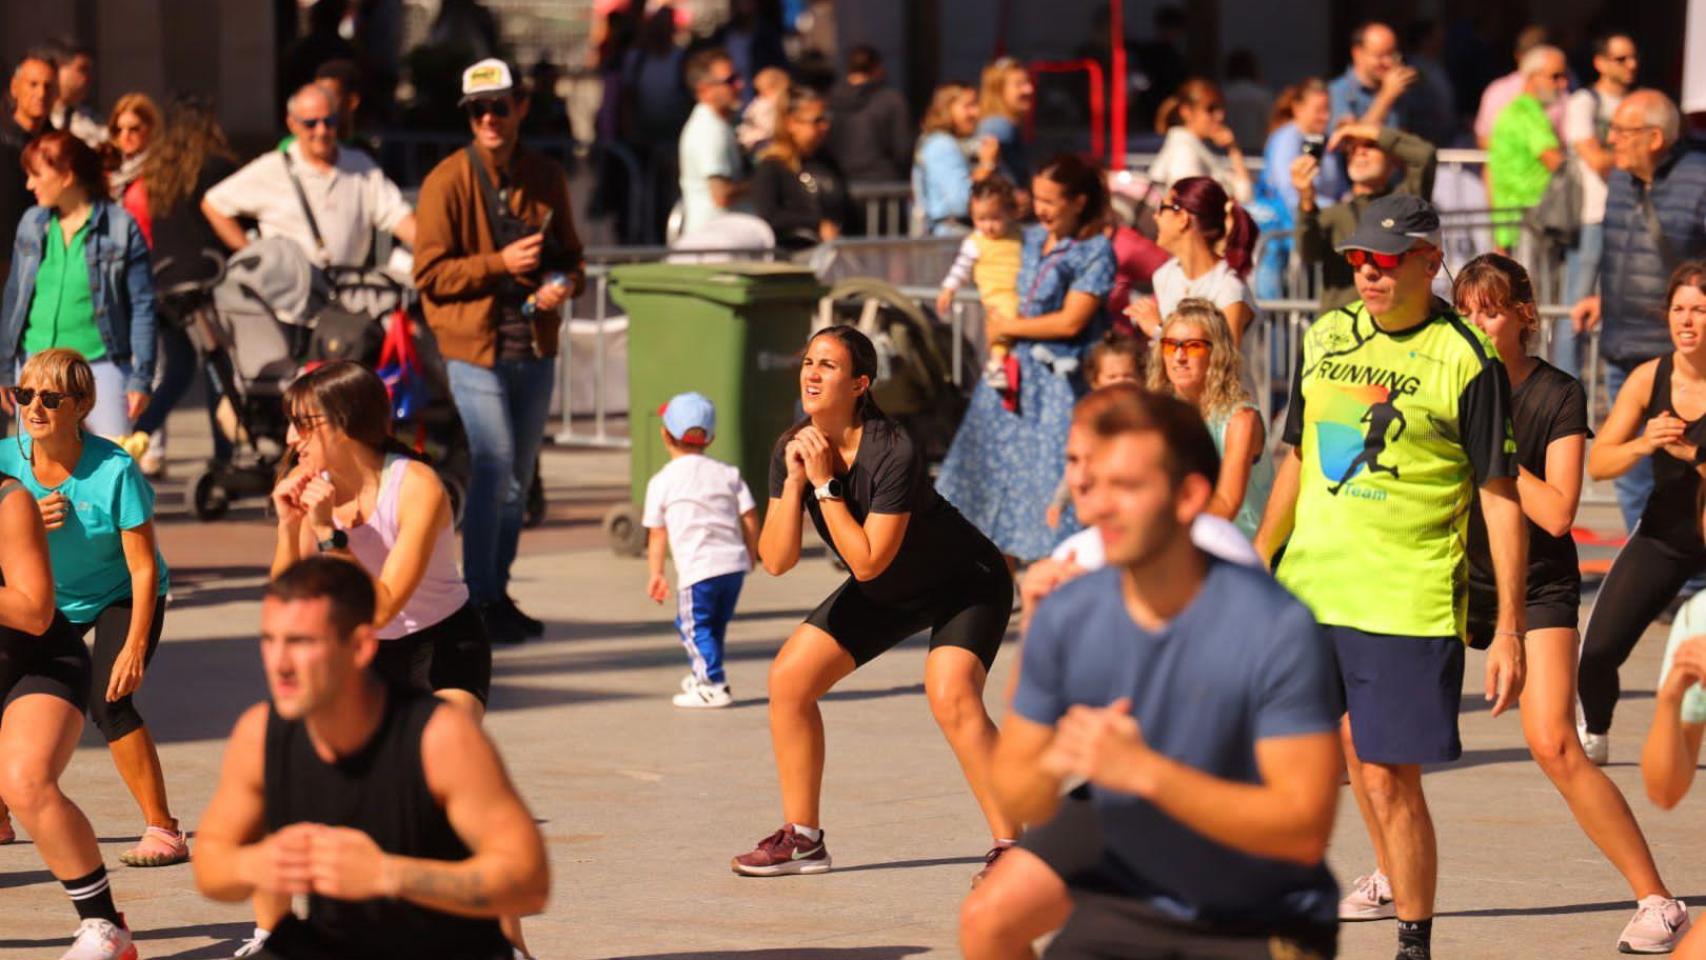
column 642, row 805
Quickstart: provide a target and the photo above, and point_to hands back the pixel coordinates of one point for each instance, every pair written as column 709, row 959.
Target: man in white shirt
column 346, row 192
column 711, row 164
column 1587, row 125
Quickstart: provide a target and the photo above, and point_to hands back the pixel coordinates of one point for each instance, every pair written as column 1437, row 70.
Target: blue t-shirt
column 1244, row 661
column 107, row 493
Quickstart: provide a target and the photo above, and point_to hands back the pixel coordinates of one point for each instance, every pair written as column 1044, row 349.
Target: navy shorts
column 1402, row 694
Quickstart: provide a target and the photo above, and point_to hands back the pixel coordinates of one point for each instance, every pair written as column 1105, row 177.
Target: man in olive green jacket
column 1378, row 161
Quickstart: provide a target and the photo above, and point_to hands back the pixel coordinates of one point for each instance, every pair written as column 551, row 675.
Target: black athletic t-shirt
column 1672, row 514
column 889, row 475
column 1548, row 406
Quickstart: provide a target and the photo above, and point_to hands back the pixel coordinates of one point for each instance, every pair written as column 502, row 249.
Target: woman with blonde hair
column 109, row 579
column 1006, row 97
column 942, row 168
column 1192, row 119
column 797, row 188
column 1196, row 360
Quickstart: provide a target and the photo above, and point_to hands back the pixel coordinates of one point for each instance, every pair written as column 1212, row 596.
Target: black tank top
column 1672, row 514
column 380, row 790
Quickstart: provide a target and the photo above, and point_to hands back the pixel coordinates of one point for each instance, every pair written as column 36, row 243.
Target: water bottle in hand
column 557, row 279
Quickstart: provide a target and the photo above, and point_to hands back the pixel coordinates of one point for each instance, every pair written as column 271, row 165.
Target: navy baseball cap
column 690, row 418
column 1392, row 224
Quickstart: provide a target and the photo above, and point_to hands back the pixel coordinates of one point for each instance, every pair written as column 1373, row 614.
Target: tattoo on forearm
column 430, row 883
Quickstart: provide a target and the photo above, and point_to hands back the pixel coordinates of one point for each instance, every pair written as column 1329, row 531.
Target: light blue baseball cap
column 686, row 412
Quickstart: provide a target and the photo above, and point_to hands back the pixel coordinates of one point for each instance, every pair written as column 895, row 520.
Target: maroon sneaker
column 782, row 853
column 989, row 859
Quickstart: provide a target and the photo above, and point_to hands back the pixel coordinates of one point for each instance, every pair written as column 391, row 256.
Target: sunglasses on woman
column 1385, row 261
column 1195, row 349
column 50, row 399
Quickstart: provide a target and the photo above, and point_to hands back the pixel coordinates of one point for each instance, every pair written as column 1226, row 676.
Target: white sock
column 261, row 933
column 810, row 833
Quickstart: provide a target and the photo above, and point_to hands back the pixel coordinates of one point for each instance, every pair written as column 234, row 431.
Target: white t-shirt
column 1582, row 116
column 699, row 502
column 350, row 201
column 1210, row 533
column 708, row 149
column 1183, row 154
column 1220, row 286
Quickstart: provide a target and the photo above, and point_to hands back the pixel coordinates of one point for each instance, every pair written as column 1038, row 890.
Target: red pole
column 1116, row 60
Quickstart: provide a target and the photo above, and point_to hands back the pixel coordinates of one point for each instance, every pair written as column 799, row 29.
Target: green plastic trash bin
column 732, row 331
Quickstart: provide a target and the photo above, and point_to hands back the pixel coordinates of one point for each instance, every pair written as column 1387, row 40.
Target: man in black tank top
column 388, row 808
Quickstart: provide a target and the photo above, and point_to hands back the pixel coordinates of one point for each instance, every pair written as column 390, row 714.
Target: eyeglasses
column 1175, row 207
column 479, row 108
column 732, row 80
column 1194, row 349
column 1384, row 261
column 50, row 399
column 330, row 120
column 1619, row 130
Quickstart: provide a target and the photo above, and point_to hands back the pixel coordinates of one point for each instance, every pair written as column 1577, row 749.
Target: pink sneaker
column 1370, row 899
column 1657, row 927
column 159, row 848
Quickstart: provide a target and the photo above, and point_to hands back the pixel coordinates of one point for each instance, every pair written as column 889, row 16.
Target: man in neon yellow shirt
column 1523, row 150
column 1399, row 415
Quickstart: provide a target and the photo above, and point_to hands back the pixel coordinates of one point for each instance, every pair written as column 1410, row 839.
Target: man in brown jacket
column 496, row 257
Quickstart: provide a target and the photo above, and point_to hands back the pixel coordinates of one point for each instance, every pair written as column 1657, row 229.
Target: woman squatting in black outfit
column 916, row 565
column 1660, row 413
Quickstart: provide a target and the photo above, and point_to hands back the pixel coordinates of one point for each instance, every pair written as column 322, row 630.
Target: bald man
column 1369, row 89
column 347, row 196
column 1655, row 218
column 1523, row 149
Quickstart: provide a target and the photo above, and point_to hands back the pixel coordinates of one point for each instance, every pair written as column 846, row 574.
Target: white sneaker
column 1370, row 899
column 99, row 939
column 688, row 683
column 1597, row 746
column 254, row 944
column 1657, row 927
column 704, row 696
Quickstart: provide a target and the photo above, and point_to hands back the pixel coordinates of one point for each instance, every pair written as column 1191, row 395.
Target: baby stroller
column 916, row 378
column 270, row 315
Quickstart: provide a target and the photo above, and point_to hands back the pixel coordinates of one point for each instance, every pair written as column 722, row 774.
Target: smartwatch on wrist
column 339, row 540
column 831, row 490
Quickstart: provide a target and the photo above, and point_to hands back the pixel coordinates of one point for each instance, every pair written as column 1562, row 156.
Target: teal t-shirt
column 107, row 494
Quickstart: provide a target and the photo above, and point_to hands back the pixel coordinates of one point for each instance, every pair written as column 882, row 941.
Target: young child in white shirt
column 703, row 513
column 990, row 257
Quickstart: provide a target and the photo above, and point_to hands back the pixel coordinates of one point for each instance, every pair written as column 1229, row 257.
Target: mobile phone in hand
column 545, row 225
column 1314, row 147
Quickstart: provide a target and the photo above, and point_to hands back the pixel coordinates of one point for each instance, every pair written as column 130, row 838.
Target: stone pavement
column 642, row 804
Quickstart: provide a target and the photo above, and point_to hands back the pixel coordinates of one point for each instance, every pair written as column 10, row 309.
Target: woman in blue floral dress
column 1005, row 463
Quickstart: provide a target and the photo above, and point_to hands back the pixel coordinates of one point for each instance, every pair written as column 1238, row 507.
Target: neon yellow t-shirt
column 1395, row 433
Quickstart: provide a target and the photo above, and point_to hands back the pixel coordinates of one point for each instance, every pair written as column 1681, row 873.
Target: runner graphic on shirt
column 1380, row 416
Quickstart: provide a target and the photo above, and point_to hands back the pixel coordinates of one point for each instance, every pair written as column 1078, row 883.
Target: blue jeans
column 503, row 411
column 1633, row 487
column 1581, row 269
column 179, row 364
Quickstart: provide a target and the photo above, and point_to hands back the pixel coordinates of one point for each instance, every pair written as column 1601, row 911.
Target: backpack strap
column 302, row 197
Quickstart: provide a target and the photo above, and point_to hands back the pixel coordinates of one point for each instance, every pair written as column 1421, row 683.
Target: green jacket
column 1321, row 230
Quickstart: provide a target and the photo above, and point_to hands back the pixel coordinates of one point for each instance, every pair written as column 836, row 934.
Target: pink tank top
column 442, row 590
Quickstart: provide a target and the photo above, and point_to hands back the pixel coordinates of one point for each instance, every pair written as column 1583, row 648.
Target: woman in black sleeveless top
column 44, row 686
column 1660, row 413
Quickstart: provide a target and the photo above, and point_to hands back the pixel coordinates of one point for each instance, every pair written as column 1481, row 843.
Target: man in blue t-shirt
column 1200, row 701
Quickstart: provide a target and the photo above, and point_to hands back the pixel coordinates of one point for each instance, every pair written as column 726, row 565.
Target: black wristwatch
column 831, row 490
column 339, row 540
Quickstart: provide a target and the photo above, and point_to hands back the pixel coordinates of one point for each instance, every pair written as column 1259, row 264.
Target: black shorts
column 970, row 612
column 1112, row 927
column 55, row 663
column 1402, row 694
column 452, row 654
column 1550, row 606
column 1070, row 842
column 119, row 718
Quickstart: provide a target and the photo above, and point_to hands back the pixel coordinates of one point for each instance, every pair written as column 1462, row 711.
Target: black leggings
column 1644, row 578
column 119, row 718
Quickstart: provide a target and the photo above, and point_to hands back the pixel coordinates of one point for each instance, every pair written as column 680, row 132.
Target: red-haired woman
column 80, row 279
column 1211, row 238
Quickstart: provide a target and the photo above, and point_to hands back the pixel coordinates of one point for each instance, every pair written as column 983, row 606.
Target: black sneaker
column 501, row 629
column 530, row 628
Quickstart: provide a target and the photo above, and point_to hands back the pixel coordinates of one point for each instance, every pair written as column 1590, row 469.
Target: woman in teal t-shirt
column 108, row 575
